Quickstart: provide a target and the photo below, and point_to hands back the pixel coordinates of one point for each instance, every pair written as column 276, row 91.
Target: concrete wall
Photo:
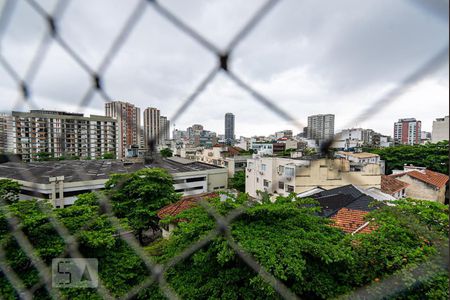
column 421, row 190
column 325, row 173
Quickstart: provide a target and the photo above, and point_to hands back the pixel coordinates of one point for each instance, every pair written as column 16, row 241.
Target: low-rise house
column 423, row 184
column 282, row 176
column 393, row 187
column 174, row 209
column 347, row 206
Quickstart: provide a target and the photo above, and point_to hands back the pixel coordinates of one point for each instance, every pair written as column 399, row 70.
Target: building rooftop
column 359, row 155
column 185, row 203
column 347, row 196
column 352, row 221
column 87, row 170
column 433, row 178
column 390, row 185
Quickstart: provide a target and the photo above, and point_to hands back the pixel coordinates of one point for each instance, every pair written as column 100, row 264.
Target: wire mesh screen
column 98, row 87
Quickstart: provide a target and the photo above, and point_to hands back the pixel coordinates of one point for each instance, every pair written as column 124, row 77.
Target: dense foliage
column 238, row 181
column 433, row 156
column 166, row 152
column 119, row 267
column 108, row 155
column 9, row 191
column 288, row 238
column 138, row 196
column 313, row 259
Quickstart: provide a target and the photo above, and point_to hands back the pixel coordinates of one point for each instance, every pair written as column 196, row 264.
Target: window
column 289, row 172
column 281, row 185
column 266, row 183
column 257, row 179
column 263, row 167
column 289, row 188
column 281, row 169
column 196, row 179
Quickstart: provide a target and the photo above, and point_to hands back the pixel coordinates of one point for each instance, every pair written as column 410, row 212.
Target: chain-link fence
column 97, row 87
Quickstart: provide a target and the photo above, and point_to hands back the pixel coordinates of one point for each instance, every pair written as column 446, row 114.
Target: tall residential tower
column 229, row 128
column 128, row 122
column 407, row 131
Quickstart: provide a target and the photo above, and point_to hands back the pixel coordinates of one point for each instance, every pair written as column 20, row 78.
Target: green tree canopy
column 9, row 191
column 119, row 267
column 138, row 196
column 301, row 249
column 166, row 152
column 432, row 156
column 108, row 155
column 238, row 181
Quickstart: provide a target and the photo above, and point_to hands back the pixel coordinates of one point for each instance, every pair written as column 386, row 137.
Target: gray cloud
column 308, row 56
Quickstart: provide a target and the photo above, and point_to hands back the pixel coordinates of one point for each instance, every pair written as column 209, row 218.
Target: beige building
column 440, row 130
column 62, row 134
column 128, row 123
column 283, row 176
column 423, row 184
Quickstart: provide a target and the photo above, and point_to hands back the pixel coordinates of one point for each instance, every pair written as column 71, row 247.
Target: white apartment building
column 321, row 127
column 282, row 176
column 440, row 130
column 128, row 123
column 262, row 148
column 63, row 134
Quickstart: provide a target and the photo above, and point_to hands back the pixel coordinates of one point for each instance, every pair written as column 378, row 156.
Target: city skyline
column 378, row 45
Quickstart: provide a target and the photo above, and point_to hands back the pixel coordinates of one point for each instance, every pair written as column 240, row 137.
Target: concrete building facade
column 61, row 182
column 321, row 127
column 128, row 122
column 282, row 176
column 440, row 130
column 407, row 132
column 229, row 129
column 152, row 120
column 61, row 134
column 6, row 134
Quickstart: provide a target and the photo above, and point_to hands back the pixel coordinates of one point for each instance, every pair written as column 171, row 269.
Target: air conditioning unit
column 261, row 173
column 288, row 178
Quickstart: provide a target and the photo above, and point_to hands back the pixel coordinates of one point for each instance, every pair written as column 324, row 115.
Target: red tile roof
column 390, row 185
column 350, row 220
column 434, row 178
column 182, row 205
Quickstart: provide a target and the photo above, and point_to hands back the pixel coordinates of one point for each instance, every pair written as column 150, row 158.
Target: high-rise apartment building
column 156, row 127
column 128, row 121
column 407, row 131
column 164, row 129
column 6, row 134
column 440, row 130
column 321, row 127
column 151, row 126
column 61, row 134
column 229, row 128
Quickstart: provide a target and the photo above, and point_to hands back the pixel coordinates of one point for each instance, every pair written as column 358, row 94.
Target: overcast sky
column 308, row 56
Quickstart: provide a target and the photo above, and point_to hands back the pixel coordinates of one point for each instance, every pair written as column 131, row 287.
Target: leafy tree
column 108, row 155
column 313, row 259
column 119, row 267
column 138, row 196
column 9, row 191
column 238, row 181
column 432, row 156
column 166, row 152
